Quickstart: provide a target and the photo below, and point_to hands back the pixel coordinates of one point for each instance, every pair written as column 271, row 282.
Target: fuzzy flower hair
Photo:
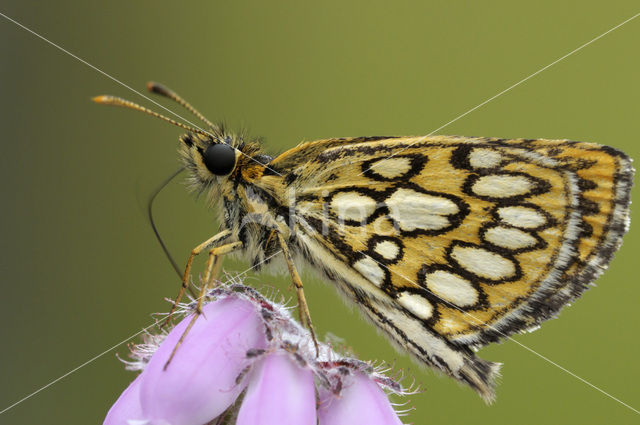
column 247, row 362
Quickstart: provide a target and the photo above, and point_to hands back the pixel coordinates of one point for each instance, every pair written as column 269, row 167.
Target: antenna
column 118, row 101
column 158, row 88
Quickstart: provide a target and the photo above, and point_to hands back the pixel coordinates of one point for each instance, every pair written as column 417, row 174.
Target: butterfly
column 446, row 243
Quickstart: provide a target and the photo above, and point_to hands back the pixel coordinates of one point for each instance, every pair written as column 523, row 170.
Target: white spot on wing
column 416, row 304
column 393, row 167
column 370, row 269
column 502, row 186
column 352, row 206
column 523, row 217
column 484, row 158
column 414, row 210
column 510, row 238
column 389, row 250
column 483, row 263
column 428, row 341
column 452, row 288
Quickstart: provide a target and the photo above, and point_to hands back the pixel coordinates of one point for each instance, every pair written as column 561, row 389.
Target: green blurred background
column 81, row 269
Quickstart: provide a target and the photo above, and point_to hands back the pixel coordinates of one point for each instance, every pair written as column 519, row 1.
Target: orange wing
column 457, row 240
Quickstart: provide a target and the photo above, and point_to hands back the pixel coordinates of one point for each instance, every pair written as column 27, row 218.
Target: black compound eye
column 220, row 159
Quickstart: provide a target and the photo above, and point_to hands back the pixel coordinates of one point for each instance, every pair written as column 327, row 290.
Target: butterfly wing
column 449, row 243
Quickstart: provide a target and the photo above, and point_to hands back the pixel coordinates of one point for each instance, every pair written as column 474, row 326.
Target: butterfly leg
column 187, row 272
column 214, row 262
column 214, row 253
column 303, row 308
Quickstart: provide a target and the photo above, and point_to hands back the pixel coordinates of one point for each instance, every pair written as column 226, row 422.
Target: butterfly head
column 211, row 155
column 216, row 159
column 209, row 158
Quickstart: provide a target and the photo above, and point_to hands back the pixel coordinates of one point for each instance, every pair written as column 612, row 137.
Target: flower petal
column 361, row 402
column 127, row 407
column 200, row 382
column 280, row 393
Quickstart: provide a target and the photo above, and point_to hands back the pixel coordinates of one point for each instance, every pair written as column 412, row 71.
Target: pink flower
column 280, row 392
column 200, row 382
column 127, row 408
column 245, row 343
column 361, row 401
